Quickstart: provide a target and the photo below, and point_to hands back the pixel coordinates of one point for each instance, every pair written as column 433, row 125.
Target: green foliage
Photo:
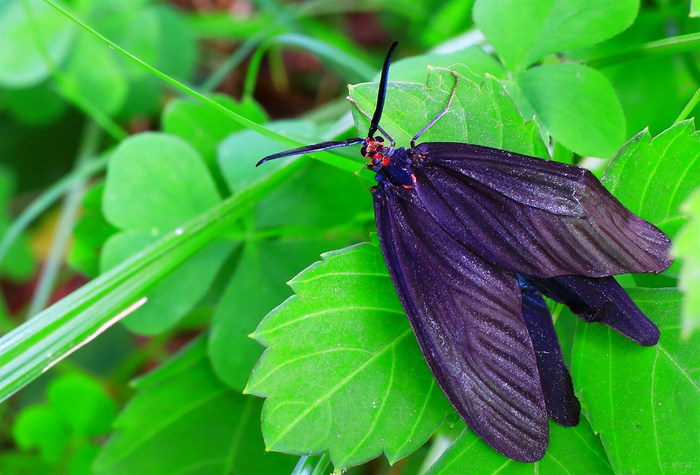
column 554, row 91
column 482, row 113
column 202, row 126
column 183, row 419
column 685, row 248
column 653, row 176
column 346, row 352
column 19, row 263
column 341, row 372
column 642, row 401
column 575, row 450
column 523, row 32
column 286, row 231
column 64, row 431
column 144, row 212
column 26, row 65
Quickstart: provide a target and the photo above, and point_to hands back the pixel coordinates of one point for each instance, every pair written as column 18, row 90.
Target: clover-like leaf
column 203, row 126
column 685, row 248
column 156, row 182
column 572, row 450
column 22, row 62
column 182, row 419
column 343, row 371
column 523, row 31
column 578, row 105
column 642, row 400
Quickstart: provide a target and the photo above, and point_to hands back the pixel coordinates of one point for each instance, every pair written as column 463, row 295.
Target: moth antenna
column 381, row 94
column 312, row 148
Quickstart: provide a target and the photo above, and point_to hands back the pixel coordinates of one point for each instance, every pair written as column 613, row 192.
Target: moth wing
column 562, row 405
column 466, row 315
column 534, row 216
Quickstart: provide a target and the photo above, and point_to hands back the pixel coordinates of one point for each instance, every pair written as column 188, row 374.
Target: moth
column 473, row 237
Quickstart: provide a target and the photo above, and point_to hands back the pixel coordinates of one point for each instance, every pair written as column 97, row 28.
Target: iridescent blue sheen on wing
column 562, row 405
column 600, row 300
column 466, row 315
column 534, row 216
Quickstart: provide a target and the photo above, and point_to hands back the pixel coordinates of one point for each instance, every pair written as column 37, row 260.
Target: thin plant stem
column 46, row 200
column 663, row 47
column 338, row 161
column 689, row 107
column 69, row 214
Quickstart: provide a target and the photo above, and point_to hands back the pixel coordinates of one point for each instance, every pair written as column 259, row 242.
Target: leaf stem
column 39, row 343
column 69, row 213
column 689, row 107
column 45, row 200
column 662, row 47
column 339, row 161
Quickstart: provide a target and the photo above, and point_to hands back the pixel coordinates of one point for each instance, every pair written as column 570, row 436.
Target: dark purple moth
column 473, row 237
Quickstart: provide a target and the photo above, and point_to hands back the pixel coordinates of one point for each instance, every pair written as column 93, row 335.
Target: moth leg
column 369, row 117
column 440, row 114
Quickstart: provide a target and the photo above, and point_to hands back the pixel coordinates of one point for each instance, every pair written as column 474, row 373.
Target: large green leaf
column 256, row 288
column 523, row 31
column 481, row 113
column 22, row 63
column 183, row 420
column 643, row 401
column 687, row 250
column 653, row 176
column 572, row 450
column 343, row 371
column 578, row 105
column 154, row 183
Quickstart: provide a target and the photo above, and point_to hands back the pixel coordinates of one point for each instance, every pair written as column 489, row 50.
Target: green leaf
column 41, row 428
column 653, row 176
column 578, row 105
column 522, row 32
column 468, row 62
column 83, row 404
column 347, row 351
column 90, row 233
column 154, row 183
column 95, row 71
column 182, row 419
column 481, row 113
column 21, row 61
column 174, row 296
column 256, row 288
column 237, row 158
column 694, row 8
column 685, row 248
column 39, row 343
column 202, row 127
column 35, row 105
column 572, row 450
column 642, row 400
